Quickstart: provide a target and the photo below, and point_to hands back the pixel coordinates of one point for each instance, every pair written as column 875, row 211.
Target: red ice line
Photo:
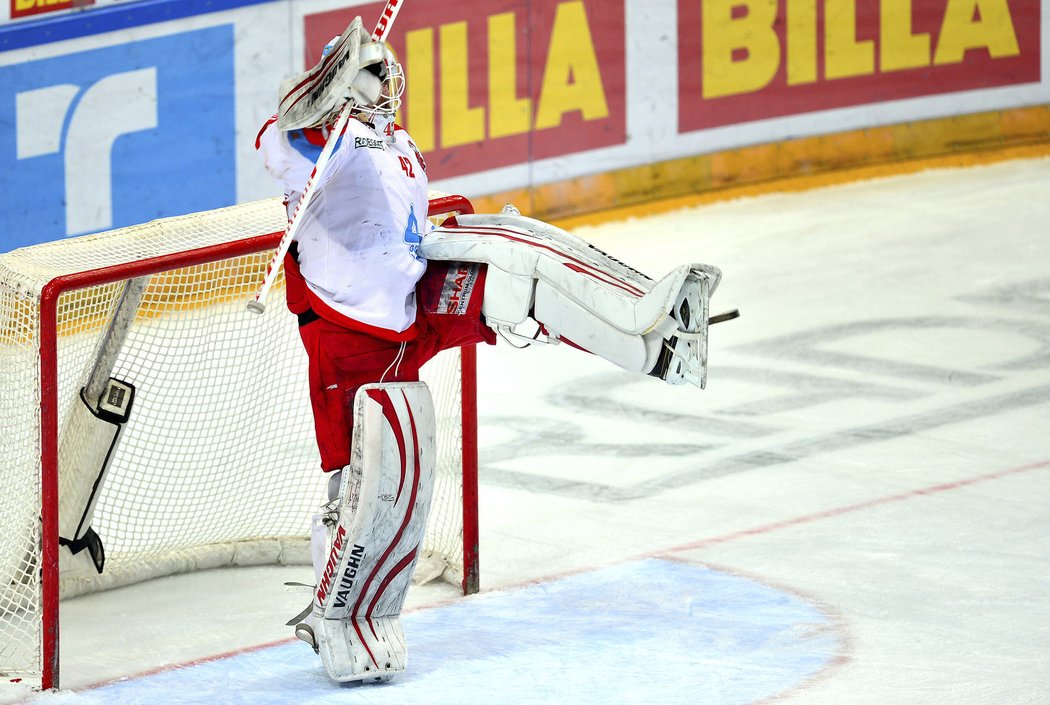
column 704, row 543
column 829, row 513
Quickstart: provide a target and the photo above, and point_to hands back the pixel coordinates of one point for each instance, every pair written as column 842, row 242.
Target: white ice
column 856, row 510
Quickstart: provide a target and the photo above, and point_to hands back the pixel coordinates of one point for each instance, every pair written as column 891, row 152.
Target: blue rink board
column 650, row 631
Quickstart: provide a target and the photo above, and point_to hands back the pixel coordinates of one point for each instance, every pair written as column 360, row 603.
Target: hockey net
column 217, row 464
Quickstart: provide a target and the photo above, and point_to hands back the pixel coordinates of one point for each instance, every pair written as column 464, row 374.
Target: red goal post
column 49, row 280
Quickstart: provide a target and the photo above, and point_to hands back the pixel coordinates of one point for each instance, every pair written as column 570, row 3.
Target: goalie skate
column 684, row 355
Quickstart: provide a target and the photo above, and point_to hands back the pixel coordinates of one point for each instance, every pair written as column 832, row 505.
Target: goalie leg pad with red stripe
column 579, row 293
column 379, row 517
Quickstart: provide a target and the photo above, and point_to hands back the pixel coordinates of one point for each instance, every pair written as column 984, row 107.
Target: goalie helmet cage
column 176, row 452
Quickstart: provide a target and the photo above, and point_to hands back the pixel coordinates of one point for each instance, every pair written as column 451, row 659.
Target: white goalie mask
column 377, row 88
column 392, row 80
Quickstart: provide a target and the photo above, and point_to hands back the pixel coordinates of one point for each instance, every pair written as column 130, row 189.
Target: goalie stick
column 722, row 317
column 256, row 304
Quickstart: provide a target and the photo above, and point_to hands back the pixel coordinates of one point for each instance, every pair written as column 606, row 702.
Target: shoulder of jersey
column 258, row 138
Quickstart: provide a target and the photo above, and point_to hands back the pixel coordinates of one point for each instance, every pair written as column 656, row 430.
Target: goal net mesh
column 217, row 464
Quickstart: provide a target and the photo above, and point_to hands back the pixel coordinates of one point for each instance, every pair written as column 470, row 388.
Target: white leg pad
column 379, row 521
column 578, row 292
column 562, row 316
column 354, row 650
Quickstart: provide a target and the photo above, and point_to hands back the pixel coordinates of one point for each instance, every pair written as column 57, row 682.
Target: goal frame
column 49, row 415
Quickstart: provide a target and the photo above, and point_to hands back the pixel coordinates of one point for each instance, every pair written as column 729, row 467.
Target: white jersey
column 359, row 238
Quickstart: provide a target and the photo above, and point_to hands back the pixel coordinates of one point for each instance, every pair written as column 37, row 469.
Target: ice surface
column 655, row 630
column 856, row 510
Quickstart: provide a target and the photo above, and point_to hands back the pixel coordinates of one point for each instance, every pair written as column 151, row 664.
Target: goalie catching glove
column 351, row 68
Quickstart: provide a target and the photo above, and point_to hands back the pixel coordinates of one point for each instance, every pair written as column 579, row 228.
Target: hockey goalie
column 378, row 291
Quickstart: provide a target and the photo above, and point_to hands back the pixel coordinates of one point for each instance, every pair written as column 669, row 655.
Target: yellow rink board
column 793, row 165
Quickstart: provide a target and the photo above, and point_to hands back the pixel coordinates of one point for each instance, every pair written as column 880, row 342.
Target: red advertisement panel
column 25, row 8
column 743, row 60
column 493, row 83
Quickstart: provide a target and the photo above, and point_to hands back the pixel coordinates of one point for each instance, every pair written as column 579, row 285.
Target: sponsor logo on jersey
column 118, row 135
column 412, row 235
column 459, row 285
column 368, row 143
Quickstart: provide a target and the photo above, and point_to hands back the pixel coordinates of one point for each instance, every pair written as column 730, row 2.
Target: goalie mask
column 388, row 86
